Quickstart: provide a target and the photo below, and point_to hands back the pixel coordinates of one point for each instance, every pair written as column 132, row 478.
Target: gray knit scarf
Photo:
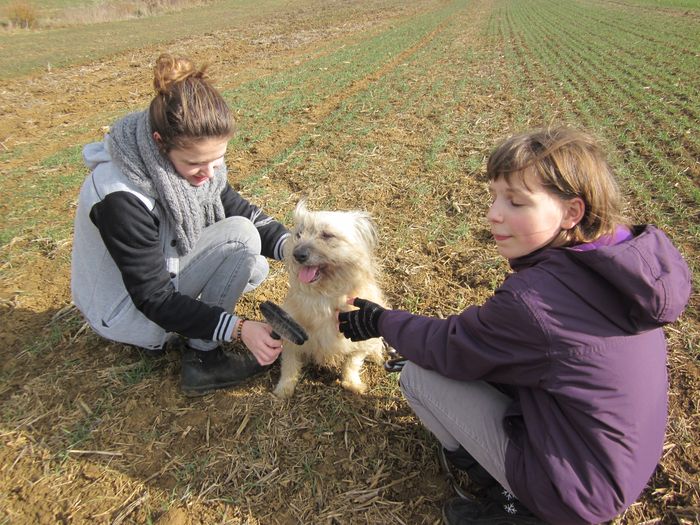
column 188, row 208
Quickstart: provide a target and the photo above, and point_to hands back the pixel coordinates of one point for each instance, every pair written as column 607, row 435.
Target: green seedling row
column 654, row 158
column 277, row 100
column 603, row 92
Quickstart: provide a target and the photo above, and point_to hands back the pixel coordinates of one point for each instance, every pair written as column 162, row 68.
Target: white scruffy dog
column 330, row 257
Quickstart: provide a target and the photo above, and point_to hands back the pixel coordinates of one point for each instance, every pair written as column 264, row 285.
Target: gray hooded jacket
column 125, row 264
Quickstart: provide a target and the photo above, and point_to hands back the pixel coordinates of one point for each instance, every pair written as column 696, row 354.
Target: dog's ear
column 300, row 211
column 366, row 229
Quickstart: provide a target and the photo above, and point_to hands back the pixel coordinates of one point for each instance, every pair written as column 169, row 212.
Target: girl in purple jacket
column 552, row 395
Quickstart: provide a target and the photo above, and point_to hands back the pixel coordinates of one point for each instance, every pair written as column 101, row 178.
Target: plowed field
column 382, row 105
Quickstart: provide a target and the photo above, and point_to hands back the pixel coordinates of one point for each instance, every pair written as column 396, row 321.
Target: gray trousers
column 467, row 413
column 224, row 264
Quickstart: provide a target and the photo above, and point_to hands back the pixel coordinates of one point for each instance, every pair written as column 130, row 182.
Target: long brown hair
column 186, row 106
column 569, row 163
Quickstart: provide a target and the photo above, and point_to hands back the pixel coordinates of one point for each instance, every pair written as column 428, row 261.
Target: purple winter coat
column 576, row 333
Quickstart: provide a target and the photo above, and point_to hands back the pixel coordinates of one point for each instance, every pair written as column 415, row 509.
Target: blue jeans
column 224, row 264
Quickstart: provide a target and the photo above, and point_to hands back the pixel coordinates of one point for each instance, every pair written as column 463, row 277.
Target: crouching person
column 552, row 395
column 163, row 245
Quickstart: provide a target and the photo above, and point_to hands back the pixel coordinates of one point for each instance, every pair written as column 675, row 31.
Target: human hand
column 257, row 337
column 362, row 324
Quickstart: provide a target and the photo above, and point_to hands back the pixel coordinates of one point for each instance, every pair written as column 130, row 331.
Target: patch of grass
column 71, row 156
column 45, row 342
column 35, row 217
column 79, row 432
column 437, row 147
column 141, row 370
column 684, row 4
column 48, row 5
column 193, row 470
column 56, row 332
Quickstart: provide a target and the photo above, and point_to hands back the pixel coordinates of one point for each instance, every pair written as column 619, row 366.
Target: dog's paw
column 284, row 390
column 358, row 387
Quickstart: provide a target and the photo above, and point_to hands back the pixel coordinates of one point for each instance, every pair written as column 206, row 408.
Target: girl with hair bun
column 164, row 245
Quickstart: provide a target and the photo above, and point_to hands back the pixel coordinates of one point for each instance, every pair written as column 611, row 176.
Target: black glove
column 362, row 324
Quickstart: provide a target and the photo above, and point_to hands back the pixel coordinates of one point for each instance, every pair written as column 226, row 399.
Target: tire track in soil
column 43, row 113
column 267, row 150
column 32, row 109
column 126, row 70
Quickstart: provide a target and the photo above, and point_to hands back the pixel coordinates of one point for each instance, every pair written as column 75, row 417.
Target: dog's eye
column 327, row 235
column 297, row 235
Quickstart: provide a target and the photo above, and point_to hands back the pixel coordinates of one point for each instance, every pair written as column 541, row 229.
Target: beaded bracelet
column 239, row 330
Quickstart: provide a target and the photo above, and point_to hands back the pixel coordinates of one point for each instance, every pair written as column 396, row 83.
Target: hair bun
column 170, row 70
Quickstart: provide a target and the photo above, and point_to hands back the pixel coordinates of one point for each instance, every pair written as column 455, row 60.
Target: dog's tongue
column 308, row 273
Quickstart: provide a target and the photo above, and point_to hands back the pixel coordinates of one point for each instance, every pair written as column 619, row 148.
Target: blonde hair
column 186, row 106
column 568, row 163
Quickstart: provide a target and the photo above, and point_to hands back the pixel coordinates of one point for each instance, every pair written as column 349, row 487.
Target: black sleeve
column 272, row 232
column 130, row 233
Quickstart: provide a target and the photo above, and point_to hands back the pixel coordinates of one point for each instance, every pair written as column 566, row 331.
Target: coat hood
column 94, row 154
column 648, row 272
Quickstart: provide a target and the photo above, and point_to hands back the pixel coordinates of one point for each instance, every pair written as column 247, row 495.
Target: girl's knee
column 408, row 378
column 241, row 231
column 258, row 274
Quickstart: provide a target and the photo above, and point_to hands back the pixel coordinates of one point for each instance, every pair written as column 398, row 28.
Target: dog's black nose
column 301, row 254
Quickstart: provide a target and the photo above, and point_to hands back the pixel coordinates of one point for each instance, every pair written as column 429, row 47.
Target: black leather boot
column 203, row 372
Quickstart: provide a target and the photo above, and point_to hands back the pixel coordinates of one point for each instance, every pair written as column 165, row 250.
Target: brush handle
column 283, row 325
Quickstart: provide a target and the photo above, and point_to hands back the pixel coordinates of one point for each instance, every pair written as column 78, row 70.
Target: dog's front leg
column 351, row 373
column 289, row 371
